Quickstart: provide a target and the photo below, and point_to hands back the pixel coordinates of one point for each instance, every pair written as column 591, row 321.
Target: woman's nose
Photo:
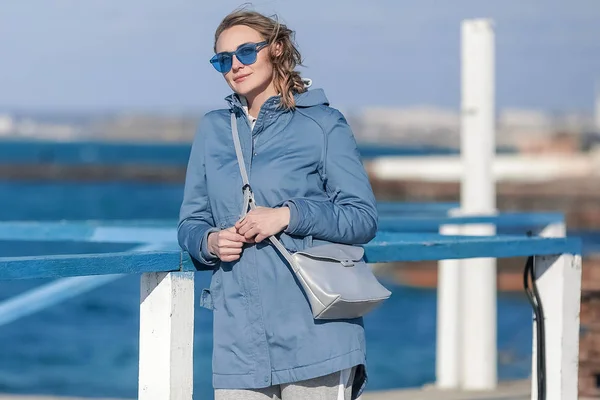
column 235, row 63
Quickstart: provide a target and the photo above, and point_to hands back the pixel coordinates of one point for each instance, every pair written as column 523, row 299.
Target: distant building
column 414, row 125
column 524, row 119
column 7, row 125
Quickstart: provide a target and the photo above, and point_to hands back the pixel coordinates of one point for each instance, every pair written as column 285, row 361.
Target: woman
column 306, row 173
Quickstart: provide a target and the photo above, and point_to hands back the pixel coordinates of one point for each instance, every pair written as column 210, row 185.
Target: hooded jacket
column 306, row 159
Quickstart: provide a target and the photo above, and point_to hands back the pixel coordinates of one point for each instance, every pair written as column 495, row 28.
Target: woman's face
column 246, row 79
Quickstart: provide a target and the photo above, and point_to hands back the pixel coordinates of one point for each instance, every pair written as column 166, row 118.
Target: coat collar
column 237, row 102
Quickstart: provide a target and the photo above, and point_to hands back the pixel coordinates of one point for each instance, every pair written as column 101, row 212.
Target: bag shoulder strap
column 247, row 189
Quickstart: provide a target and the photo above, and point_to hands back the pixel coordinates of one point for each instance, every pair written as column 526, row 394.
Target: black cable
column 536, row 303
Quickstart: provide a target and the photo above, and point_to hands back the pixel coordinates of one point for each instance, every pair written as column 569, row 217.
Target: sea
column 88, row 345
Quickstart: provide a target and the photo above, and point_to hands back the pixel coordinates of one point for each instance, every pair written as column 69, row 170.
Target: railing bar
column 56, row 292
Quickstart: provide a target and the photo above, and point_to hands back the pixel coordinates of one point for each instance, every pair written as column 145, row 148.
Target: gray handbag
column 334, row 277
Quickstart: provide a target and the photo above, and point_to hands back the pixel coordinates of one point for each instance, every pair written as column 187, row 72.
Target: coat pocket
column 209, row 297
column 206, row 300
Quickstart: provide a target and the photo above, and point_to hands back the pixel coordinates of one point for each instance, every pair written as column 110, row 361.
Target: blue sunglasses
column 245, row 53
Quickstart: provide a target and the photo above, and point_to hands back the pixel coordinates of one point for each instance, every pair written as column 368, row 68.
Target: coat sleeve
column 195, row 216
column 350, row 214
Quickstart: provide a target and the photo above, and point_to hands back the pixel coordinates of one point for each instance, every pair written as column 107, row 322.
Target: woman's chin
column 248, row 87
column 242, row 88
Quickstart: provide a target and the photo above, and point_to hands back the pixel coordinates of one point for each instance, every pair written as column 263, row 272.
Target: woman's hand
column 263, row 222
column 226, row 244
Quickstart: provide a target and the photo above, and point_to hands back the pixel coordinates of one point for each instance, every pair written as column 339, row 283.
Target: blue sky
column 152, row 54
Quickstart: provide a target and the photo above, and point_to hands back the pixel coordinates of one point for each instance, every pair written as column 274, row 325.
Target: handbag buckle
column 347, row 263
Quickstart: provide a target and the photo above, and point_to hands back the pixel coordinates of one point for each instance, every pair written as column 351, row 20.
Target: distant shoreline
column 93, row 172
column 578, row 199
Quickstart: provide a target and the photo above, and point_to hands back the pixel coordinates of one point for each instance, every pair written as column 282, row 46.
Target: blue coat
column 307, row 159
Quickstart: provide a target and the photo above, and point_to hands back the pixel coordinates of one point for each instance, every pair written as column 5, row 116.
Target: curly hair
column 286, row 80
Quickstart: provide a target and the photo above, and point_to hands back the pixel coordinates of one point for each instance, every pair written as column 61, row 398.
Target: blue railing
column 163, row 231
column 402, row 237
column 386, row 247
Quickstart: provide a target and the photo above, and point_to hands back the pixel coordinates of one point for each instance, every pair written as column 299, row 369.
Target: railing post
column 447, row 364
column 558, row 280
column 478, row 197
column 166, row 336
column 478, row 311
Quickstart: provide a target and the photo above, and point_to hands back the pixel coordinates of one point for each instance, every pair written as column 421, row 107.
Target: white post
column 478, row 197
column 559, row 285
column 166, row 336
column 558, row 280
column 447, row 364
column 478, row 194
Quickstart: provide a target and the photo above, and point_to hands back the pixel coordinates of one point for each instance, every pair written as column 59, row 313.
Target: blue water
column 87, row 152
column 88, row 345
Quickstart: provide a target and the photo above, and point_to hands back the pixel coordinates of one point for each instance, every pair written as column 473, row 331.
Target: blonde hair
column 286, row 80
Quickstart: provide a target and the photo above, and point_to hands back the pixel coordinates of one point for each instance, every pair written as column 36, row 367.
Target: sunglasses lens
column 246, row 54
column 221, row 62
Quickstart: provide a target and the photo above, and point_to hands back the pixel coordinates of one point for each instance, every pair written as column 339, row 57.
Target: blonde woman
column 305, row 171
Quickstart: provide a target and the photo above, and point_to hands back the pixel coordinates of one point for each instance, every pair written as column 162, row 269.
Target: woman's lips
column 241, row 78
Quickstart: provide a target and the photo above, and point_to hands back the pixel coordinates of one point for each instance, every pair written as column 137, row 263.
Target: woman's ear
column 277, row 49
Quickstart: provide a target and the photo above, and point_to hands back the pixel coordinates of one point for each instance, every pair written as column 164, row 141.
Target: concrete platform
column 517, row 390
column 514, row 390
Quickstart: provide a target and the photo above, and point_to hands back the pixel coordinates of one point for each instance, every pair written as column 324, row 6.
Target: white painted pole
column 549, row 288
column 558, row 281
column 447, row 365
column 478, row 194
column 478, row 197
column 166, row 336
column 550, row 231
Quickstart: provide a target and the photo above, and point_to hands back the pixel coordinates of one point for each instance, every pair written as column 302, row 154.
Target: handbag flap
column 342, row 253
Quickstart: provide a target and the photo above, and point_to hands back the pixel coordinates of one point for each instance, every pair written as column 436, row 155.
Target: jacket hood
column 311, row 98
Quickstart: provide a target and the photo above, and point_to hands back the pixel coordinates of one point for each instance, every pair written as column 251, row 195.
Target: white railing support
column 478, row 197
column 559, row 285
column 478, row 310
column 447, row 363
column 166, row 336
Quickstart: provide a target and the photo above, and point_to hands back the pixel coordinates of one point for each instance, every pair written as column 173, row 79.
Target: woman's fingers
column 232, row 235
column 260, row 237
column 245, row 228
column 223, row 242
column 251, row 234
column 229, row 251
column 251, row 226
column 240, row 223
column 228, row 244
